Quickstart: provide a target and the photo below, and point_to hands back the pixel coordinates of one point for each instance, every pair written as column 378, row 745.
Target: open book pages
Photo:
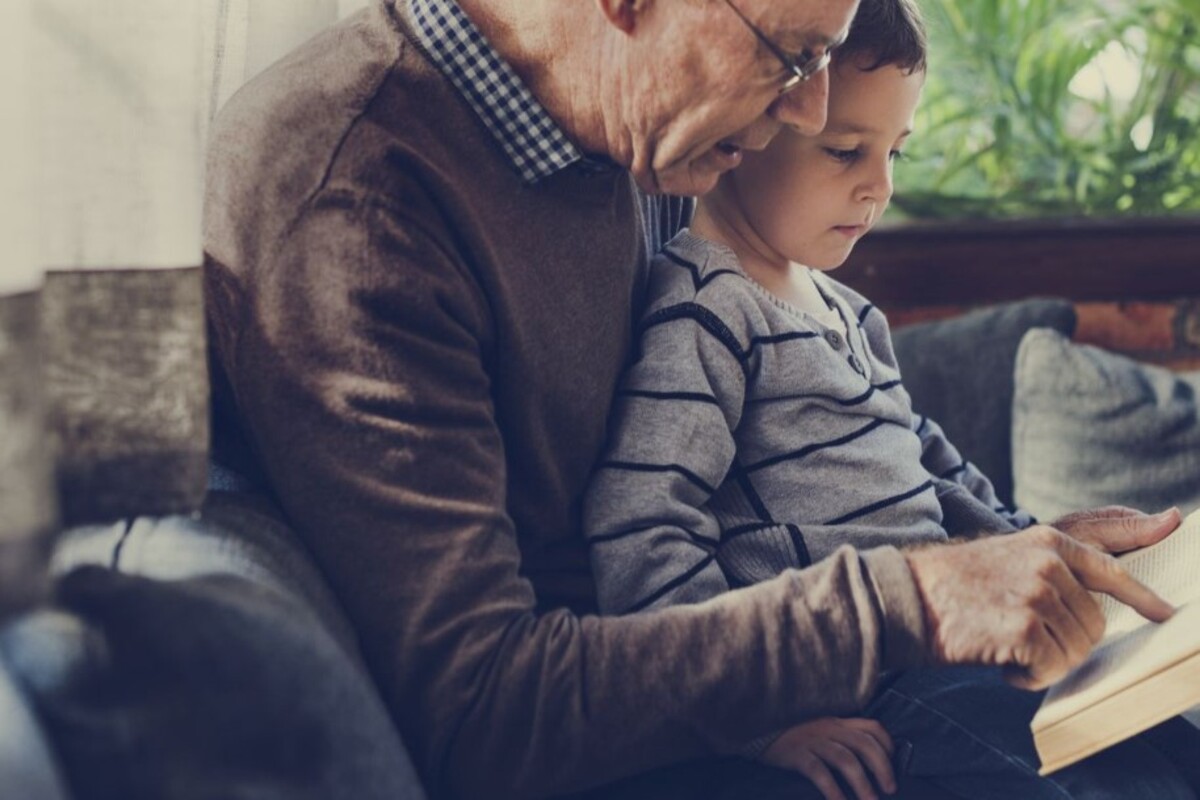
column 1122, row 661
column 1171, row 568
column 1141, row 673
column 1129, row 684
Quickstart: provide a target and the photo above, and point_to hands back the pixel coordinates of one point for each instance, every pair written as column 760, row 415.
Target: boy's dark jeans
column 961, row 733
column 969, row 731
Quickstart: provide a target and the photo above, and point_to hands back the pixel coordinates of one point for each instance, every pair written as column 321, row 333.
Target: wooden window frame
column 974, row 263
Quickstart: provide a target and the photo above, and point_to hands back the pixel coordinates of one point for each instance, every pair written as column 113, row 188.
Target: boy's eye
column 845, row 156
column 897, row 155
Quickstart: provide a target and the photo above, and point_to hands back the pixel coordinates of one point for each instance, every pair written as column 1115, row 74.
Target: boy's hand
column 851, row 746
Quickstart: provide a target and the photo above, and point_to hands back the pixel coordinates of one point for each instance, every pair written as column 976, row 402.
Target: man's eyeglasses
column 799, row 70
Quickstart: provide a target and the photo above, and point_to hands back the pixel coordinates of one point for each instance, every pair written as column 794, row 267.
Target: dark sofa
column 202, row 655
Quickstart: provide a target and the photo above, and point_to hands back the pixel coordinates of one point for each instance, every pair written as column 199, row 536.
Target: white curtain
column 347, row 7
column 117, row 118
column 19, row 267
column 104, row 109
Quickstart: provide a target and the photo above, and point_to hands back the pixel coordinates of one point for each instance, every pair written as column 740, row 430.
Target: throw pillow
column 1093, row 428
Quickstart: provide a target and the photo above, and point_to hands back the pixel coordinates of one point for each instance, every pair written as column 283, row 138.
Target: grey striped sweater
column 748, row 438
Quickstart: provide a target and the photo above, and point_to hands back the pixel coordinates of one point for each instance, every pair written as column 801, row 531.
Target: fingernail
column 1166, row 515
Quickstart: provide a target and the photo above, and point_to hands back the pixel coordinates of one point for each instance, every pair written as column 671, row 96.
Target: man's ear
column 623, row 14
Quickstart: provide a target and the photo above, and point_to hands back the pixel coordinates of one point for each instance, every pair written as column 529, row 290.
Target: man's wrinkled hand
column 1022, row 602
column 1116, row 529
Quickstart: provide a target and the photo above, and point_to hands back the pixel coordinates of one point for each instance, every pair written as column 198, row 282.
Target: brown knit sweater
column 422, row 351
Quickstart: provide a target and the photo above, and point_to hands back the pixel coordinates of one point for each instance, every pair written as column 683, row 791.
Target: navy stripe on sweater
column 634, row 466
column 783, row 337
column 813, row 448
column 747, row 487
column 882, row 504
column 742, row 530
column 713, row 324
column 697, row 539
column 950, row 473
column 695, row 397
column 841, row 401
column 672, row 584
column 707, row 320
column 698, row 282
column 801, row 548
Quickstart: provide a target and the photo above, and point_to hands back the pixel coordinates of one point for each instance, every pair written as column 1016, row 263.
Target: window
column 1037, row 108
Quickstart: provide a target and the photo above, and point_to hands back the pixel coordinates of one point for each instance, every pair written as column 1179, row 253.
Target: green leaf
column 1003, row 130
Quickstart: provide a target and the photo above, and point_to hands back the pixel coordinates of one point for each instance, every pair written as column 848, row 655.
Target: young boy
column 764, row 424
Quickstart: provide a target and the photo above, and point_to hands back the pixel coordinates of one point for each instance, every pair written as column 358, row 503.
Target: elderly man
column 427, row 232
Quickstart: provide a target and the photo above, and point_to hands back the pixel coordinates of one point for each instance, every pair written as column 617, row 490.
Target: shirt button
column 834, row 338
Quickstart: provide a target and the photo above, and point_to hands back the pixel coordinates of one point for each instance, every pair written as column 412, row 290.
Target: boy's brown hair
column 885, row 33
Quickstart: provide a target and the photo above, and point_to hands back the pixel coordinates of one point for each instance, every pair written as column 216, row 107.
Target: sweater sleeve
column 944, row 462
column 653, row 543
column 969, row 503
column 360, row 367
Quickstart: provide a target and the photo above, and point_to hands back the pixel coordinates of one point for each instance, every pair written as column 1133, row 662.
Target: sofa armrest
column 234, row 534
column 203, row 656
column 28, row 766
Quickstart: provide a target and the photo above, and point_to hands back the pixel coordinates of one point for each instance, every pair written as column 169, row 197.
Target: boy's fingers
column 848, row 763
column 875, row 730
column 885, row 775
column 815, row 770
column 871, row 752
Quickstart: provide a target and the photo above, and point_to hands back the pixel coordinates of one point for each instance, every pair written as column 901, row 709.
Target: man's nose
column 804, row 108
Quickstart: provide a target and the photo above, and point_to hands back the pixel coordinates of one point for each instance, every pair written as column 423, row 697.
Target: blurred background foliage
column 1038, row 108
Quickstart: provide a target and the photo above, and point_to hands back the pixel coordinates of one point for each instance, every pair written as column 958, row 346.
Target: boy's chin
column 826, row 262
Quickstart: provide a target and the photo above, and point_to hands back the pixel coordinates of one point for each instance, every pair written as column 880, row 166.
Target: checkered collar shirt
column 533, row 141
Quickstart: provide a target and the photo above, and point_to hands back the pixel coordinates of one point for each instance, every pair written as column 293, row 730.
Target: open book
column 1141, row 673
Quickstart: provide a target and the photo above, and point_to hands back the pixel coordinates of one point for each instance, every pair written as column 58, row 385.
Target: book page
column 1171, row 568
column 1122, row 661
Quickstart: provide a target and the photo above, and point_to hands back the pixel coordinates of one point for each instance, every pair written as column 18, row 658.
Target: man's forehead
column 809, row 24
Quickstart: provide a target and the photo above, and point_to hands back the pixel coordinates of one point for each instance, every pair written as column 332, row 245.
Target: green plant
column 1057, row 107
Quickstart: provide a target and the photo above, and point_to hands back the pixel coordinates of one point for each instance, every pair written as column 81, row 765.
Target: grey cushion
column 235, row 534
column 960, row 373
column 204, row 657
column 207, row 687
column 28, row 767
column 1093, row 428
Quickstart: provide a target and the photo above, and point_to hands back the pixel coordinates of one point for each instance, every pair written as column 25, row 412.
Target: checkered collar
column 533, row 141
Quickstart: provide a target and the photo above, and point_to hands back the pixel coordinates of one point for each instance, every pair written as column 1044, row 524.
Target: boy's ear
column 623, row 14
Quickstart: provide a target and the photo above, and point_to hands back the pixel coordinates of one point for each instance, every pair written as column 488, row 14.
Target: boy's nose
column 804, row 109
column 878, row 184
